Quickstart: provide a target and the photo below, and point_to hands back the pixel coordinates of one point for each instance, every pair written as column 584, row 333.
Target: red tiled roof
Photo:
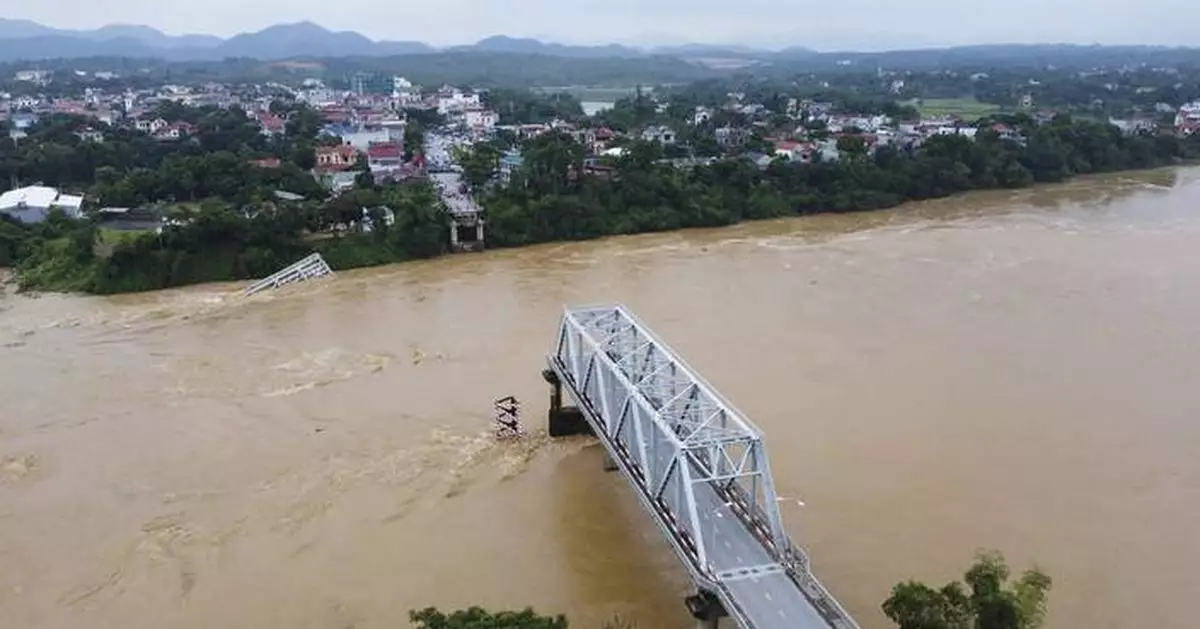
column 384, row 150
column 272, row 123
column 345, row 150
column 269, row 162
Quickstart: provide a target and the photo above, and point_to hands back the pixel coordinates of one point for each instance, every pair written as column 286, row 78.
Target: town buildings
column 32, row 204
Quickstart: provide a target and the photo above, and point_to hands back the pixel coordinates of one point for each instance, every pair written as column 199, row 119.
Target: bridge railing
column 309, row 267
column 678, row 431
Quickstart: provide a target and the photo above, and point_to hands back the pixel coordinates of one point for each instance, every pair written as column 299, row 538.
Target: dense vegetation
column 243, row 235
column 131, row 168
column 548, row 200
column 216, row 242
column 989, row 603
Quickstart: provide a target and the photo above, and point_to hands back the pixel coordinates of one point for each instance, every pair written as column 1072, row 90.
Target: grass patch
column 967, row 108
column 115, row 237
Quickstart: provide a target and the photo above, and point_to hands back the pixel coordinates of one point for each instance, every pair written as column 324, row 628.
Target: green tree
column 990, row 603
column 477, row 618
column 479, row 163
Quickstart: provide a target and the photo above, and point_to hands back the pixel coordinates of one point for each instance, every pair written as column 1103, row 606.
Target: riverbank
column 54, row 269
column 546, row 201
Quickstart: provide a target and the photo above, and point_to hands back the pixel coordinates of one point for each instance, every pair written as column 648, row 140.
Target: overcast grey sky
column 823, row 24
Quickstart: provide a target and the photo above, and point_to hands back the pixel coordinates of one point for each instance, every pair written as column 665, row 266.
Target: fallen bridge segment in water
column 311, row 266
column 698, row 466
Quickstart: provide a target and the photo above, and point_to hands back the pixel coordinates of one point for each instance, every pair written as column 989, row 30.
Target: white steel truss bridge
column 697, row 465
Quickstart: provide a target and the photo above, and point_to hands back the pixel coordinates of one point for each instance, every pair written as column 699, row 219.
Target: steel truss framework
column 679, row 441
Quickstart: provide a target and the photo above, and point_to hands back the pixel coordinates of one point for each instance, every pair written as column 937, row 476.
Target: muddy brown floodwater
column 1018, row 371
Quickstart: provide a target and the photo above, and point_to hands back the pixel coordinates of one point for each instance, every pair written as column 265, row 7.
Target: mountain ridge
column 24, row 39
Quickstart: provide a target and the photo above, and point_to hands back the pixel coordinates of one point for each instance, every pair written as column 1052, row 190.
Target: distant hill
column 26, row 40
column 526, row 46
column 22, row 39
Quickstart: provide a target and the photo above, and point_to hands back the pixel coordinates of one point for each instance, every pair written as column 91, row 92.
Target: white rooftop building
column 31, row 204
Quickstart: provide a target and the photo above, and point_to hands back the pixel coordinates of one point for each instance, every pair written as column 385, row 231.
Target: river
column 1009, row 370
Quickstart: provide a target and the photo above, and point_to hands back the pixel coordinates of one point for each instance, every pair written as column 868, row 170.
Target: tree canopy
column 478, row 618
column 986, row 601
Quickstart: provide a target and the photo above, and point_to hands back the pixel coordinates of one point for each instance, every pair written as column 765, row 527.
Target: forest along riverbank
column 1007, row 370
column 549, row 198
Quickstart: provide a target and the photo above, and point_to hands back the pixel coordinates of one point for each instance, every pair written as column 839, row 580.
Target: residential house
column 386, row 213
column 150, row 125
column 401, row 85
column 481, row 119
column 38, row 77
column 335, row 158
column 701, row 116
column 266, row 162
column 730, row 137
column 395, row 128
column 602, row 137
column 527, row 131
column 800, row 152
column 335, row 180
column 358, row 136
column 19, row 125
column 174, row 132
column 1134, row 126
column 450, row 100
column 88, row 134
column 384, row 155
column 1187, row 118
column 761, row 160
column 509, row 162
column 656, row 133
column 271, row 125
column 31, row 204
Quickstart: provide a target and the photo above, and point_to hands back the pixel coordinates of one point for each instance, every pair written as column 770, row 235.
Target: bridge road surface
column 768, row 599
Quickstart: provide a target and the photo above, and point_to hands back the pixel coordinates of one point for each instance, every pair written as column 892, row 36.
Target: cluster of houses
column 1187, row 119
column 370, row 128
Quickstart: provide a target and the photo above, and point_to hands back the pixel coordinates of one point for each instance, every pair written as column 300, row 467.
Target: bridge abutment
column 564, row 421
column 706, row 609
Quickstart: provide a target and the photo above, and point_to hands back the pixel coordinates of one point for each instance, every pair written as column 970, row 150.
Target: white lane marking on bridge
column 781, row 614
column 767, row 595
column 728, row 545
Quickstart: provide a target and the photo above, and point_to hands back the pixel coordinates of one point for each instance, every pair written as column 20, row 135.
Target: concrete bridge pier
column 706, row 609
column 564, row 421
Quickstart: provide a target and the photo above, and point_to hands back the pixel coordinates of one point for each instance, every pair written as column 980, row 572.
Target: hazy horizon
column 844, row 25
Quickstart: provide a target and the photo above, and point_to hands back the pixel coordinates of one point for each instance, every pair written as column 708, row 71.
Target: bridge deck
column 698, row 466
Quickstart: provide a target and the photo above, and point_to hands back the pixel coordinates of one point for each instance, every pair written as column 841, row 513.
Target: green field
column 118, row 236
column 593, row 94
column 967, row 108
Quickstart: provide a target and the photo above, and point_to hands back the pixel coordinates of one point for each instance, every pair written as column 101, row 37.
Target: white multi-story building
column 1187, row 118
column 40, row 77
column 456, row 101
column 401, row 85
column 318, row 97
column 33, row 203
column 483, row 119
